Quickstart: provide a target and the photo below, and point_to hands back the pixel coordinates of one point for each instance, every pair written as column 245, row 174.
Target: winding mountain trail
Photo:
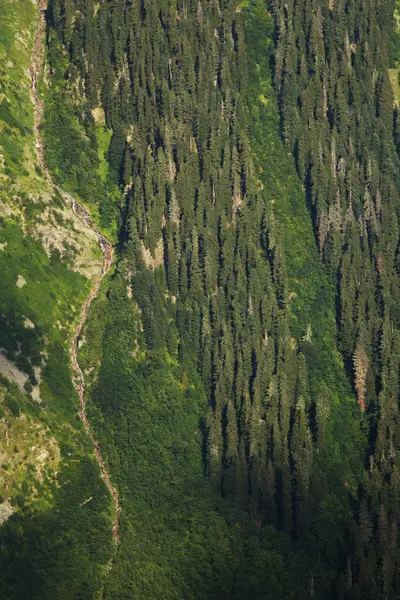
column 105, row 247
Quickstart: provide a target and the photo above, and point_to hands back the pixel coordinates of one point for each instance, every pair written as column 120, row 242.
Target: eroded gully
column 106, row 248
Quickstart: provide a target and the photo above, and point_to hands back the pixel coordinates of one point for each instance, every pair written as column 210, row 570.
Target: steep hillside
column 217, row 353
column 338, row 119
column 49, row 545
column 237, row 372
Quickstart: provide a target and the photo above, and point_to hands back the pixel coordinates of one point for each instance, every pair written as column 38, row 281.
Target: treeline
column 170, row 78
column 204, row 251
column 338, row 119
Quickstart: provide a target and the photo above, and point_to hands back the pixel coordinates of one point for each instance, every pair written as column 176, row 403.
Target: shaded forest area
column 247, row 397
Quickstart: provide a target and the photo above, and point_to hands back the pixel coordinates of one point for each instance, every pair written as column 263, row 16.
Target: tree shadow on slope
column 59, row 554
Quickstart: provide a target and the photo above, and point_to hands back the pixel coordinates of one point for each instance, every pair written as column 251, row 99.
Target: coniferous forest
column 241, row 358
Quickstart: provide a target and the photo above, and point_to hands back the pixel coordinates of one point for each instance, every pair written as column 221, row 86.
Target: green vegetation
column 242, row 360
column 311, row 291
column 337, row 118
column 174, row 526
column 48, row 468
column 50, row 546
column 253, row 399
column 61, row 552
column 51, row 291
column 16, row 113
column 80, row 166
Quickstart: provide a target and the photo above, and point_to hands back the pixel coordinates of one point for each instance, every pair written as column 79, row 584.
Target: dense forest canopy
column 242, row 360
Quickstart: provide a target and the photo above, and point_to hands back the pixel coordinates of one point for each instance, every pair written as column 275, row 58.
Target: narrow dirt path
column 105, row 247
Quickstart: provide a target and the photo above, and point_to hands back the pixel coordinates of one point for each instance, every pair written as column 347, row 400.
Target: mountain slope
column 204, row 264
column 48, row 258
column 241, row 363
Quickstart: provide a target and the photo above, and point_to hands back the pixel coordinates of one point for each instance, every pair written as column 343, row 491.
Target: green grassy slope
column 16, row 113
column 80, row 166
column 50, row 547
column 179, row 538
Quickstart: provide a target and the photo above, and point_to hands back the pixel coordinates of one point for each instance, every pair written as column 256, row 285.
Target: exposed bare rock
column 21, row 281
column 158, row 259
column 6, row 510
column 10, row 370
